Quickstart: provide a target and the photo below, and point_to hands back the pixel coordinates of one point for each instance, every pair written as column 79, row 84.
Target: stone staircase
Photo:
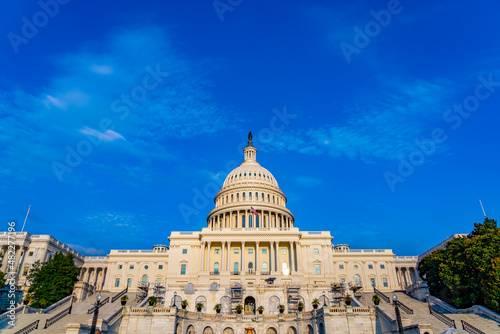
column 421, row 314
column 78, row 315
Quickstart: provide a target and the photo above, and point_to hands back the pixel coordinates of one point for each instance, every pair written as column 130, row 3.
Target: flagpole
column 27, row 214
column 484, row 213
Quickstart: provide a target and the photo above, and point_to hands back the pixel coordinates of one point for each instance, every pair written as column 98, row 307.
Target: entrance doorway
column 250, row 305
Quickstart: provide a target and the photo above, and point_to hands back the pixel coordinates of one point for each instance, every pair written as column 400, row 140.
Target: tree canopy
column 53, row 280
column 467, row 271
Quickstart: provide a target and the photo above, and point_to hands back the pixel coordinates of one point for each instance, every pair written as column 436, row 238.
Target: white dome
column 249, row 172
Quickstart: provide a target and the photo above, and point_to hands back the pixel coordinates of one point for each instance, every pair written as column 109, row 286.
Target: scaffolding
column 337, row 292
column 142, row 291
column 293, row 297
column 236, row 292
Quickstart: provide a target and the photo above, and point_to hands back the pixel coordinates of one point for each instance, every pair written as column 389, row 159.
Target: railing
column 28, row 329
column 101, row 304
column 381, row 295
column 442, row 317
column 57, row 304
column 405, row 308
column 56, row 318
column 113, row 317
column 5, row 315
column 471, row 329
column 119, row 295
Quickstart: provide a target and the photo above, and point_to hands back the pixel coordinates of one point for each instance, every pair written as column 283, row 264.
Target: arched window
column 243, row 221
column 216, row 268
column 256, row 196
column 208, row 330
column 309, row 330
column 144, row 281
column 250, row 267
column 237, row 196
column 191, row 330
column 250, row 221
column 236, row 268
column 357, row 279
column 232, row 199
column 262, row 197
column 268, row 197
column 274, row 302
column 284, row 268
column 249, row 196
column 257, row 221
column 226, row 304
column 243, row 196
column 264, row 268
column 202, row 300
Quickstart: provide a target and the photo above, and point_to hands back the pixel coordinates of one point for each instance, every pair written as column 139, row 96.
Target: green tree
column 2, row 279
column 52, row 280
column 467, row 271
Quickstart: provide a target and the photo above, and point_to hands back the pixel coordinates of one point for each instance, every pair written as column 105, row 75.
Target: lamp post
column 96, row 313
column 71, row 306
column 398, row 315
column 172, row 303
column 324, row 299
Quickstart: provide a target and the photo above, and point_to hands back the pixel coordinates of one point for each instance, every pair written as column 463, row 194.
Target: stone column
column 202, row 256
column 222, row 262
column 298, row 249
column 276, row 253
column 5, row 258
column 271, row 258
column 231, row 219
column 242, row 257
column 292, row 265
column 228, row 263
column 208, row 256
column 257, row 264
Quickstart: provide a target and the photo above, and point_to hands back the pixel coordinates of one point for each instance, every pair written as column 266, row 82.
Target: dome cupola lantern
column 250, row 151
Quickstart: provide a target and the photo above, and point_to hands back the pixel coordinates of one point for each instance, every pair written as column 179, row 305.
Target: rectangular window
column 131, row 266
column 30, row 254
column 372, row 280
column 384, row 281
column 370, row 266
column 120, row 266
column 158, row 281
column 342, row 280
column 117, row 283
column 316, row 251
column 129, row 282
column 217, row 251
column 25, row 271
column 183, row 269
column 250, row 251
column 264, row 251
column 184, row 251
column 318, row 269
column 341, row 266
column 382, row 266
column 283, row 251
column 160, row 266
column 237, row 251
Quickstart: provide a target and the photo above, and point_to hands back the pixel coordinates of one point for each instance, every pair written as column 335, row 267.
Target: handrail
column 405, row 308
column 5, row 315
column 471, row 329
column 113, row 317
column 28, row 329
column 58, row 303
column 381, row 295
column 119, row 295
column 56, row 318
column 101, row 304
column 442, row 317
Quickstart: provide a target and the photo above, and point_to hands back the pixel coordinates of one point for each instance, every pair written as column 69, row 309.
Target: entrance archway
column 250, row 305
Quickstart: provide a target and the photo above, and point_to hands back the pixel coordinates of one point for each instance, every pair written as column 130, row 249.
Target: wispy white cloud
column 382, row 127
column 108, row 135
column 87, row 250
column 101, row 69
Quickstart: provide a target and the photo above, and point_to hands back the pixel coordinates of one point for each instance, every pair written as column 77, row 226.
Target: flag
column 252, row 210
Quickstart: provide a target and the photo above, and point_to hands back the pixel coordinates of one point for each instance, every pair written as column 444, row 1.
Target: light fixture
column 99, row 297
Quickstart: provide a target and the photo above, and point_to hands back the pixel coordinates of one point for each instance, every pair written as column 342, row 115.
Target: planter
column 282, row 310
column 183, row 307
column 26, row 302
column 218, row 311
column 199, row 309
column 376, row 303
column 300, row 309
column 261, row 311
column 348, row 302
column 238, row 311
column 123, row 302
column 315, row 306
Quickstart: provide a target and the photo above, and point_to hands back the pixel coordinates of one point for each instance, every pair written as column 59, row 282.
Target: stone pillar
column 228, row 262
column 242, row 257
column 298, row 249
column 222, row 262
column 271, row 258
column 208, row 256
column 231, row 219
column 5, row 258
column 276, row 253
column 292, row 260
column 257, row 264
column 202, row 256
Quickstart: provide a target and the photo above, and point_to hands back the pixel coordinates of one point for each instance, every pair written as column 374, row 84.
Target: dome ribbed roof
column 250, row 171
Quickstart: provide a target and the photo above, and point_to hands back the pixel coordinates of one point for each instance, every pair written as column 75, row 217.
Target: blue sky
column 379, row 119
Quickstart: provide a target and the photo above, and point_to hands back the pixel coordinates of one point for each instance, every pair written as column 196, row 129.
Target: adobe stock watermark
column 223, row 6
column 30, row 27
column 11, row 273
column 202, row 198
column 372, row 29
column 455, row 117
column 121, row 107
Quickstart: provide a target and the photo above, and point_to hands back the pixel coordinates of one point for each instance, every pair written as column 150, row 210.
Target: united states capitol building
column 251, row 253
